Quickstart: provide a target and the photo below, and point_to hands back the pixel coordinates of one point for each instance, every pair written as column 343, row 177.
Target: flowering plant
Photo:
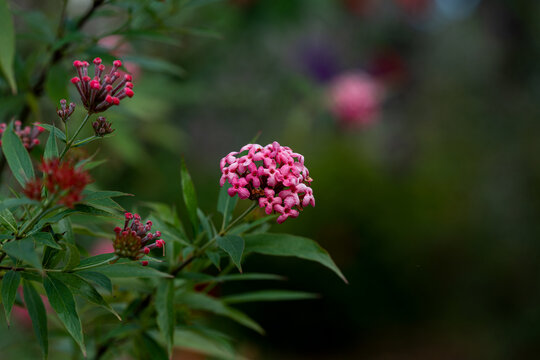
column 156, row 280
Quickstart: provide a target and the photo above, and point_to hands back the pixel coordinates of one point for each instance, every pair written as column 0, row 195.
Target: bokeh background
column 419, row 122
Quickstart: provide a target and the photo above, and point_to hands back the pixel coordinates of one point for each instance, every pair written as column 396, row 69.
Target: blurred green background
column 430, row 210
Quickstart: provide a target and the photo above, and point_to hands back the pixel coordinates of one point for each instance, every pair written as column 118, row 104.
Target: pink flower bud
column 97, row 61
column 117, row 63
column 146, row 250
column 75, row 80
column 144, row 263
column 128, row 92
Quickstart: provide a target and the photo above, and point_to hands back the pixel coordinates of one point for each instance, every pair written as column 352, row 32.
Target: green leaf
column 37, row 313
column 214, row 258
column 132, row 269
column 7, row 44
column 10, row 283
column 66, row 229
column 13, row 203
column 190, row 199
column 197, row 301
column 23, row 250
column 61, row 300
column 57, row 86
column 45, row 238
column 90, row 195
column 97, row 278
column 165, row 311
column 234, row 246
column 290, row 245
column 157, row 65
column 73, row 257
column 196, row 3
column 97, row 259
column 83, row 288
column 226, row 204
column 249, row 276
column 17, row 156
column 149, row 348
column 8, row 220
column 204, row 344
column 51, row 149
column 57, row 132
column 268, row 295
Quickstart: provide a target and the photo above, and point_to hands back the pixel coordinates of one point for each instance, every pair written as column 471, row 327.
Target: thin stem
column 36, row 217
column 239, row 218
column 72, row 140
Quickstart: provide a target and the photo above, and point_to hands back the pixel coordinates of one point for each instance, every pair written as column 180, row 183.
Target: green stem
column 212, row 241
column 72, row 140
column 239, row 218
column 36, row 217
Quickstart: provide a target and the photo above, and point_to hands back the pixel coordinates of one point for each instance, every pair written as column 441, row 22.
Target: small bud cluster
column 65, row 111
column 102, row 127
column 100, row 92
column 28, row 134
column 273, row 175
column 135, row 240
column 61, row 179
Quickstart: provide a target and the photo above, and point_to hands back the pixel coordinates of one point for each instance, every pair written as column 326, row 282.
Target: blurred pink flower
column 355, row 99
column 118, row 47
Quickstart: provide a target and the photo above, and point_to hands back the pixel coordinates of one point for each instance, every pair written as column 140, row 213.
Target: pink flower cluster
column 135, row 240
column 100, row 93
column 355, row 99
column 273, row 175
column 28, row 134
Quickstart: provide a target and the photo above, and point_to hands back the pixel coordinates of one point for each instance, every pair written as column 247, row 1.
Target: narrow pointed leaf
column 37, row 313
column 165, row 311
column 73, row 257
column 97, row 278
column 45, row 238
column 268, row 295
column 10, row 283
column 51, row 148
column 57, row 132
column 290, row 245
column 7, row 44
column 61, row 300
column 234, row 246
column 204, row 344
column 83, row 288
column 190, row 198
column 17, row 156
column 8, row 220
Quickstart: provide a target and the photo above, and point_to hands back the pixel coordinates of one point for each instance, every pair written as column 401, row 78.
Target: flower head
column 100, row 92
column 28, row 134
column 102, row 127
column 135, row 240
column 65, row 111
column 272, row 175
column 64, row 179
column 355, row 99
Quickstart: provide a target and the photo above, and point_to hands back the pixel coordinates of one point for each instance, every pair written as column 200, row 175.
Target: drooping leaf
column 10, row 283
column 97, row 278
column 23, row 250
column 234, row 246
column 51, row 148
column 17, row 156
column 7, row 44
column 37, row 313
column 226, row 204
column 165, row 311
column 61, row 300
column 13, row 203
column 290, row 245
column 203, row 302
column 190, row 198
column 83, row 288
column 268, row 295
column 90, row 195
